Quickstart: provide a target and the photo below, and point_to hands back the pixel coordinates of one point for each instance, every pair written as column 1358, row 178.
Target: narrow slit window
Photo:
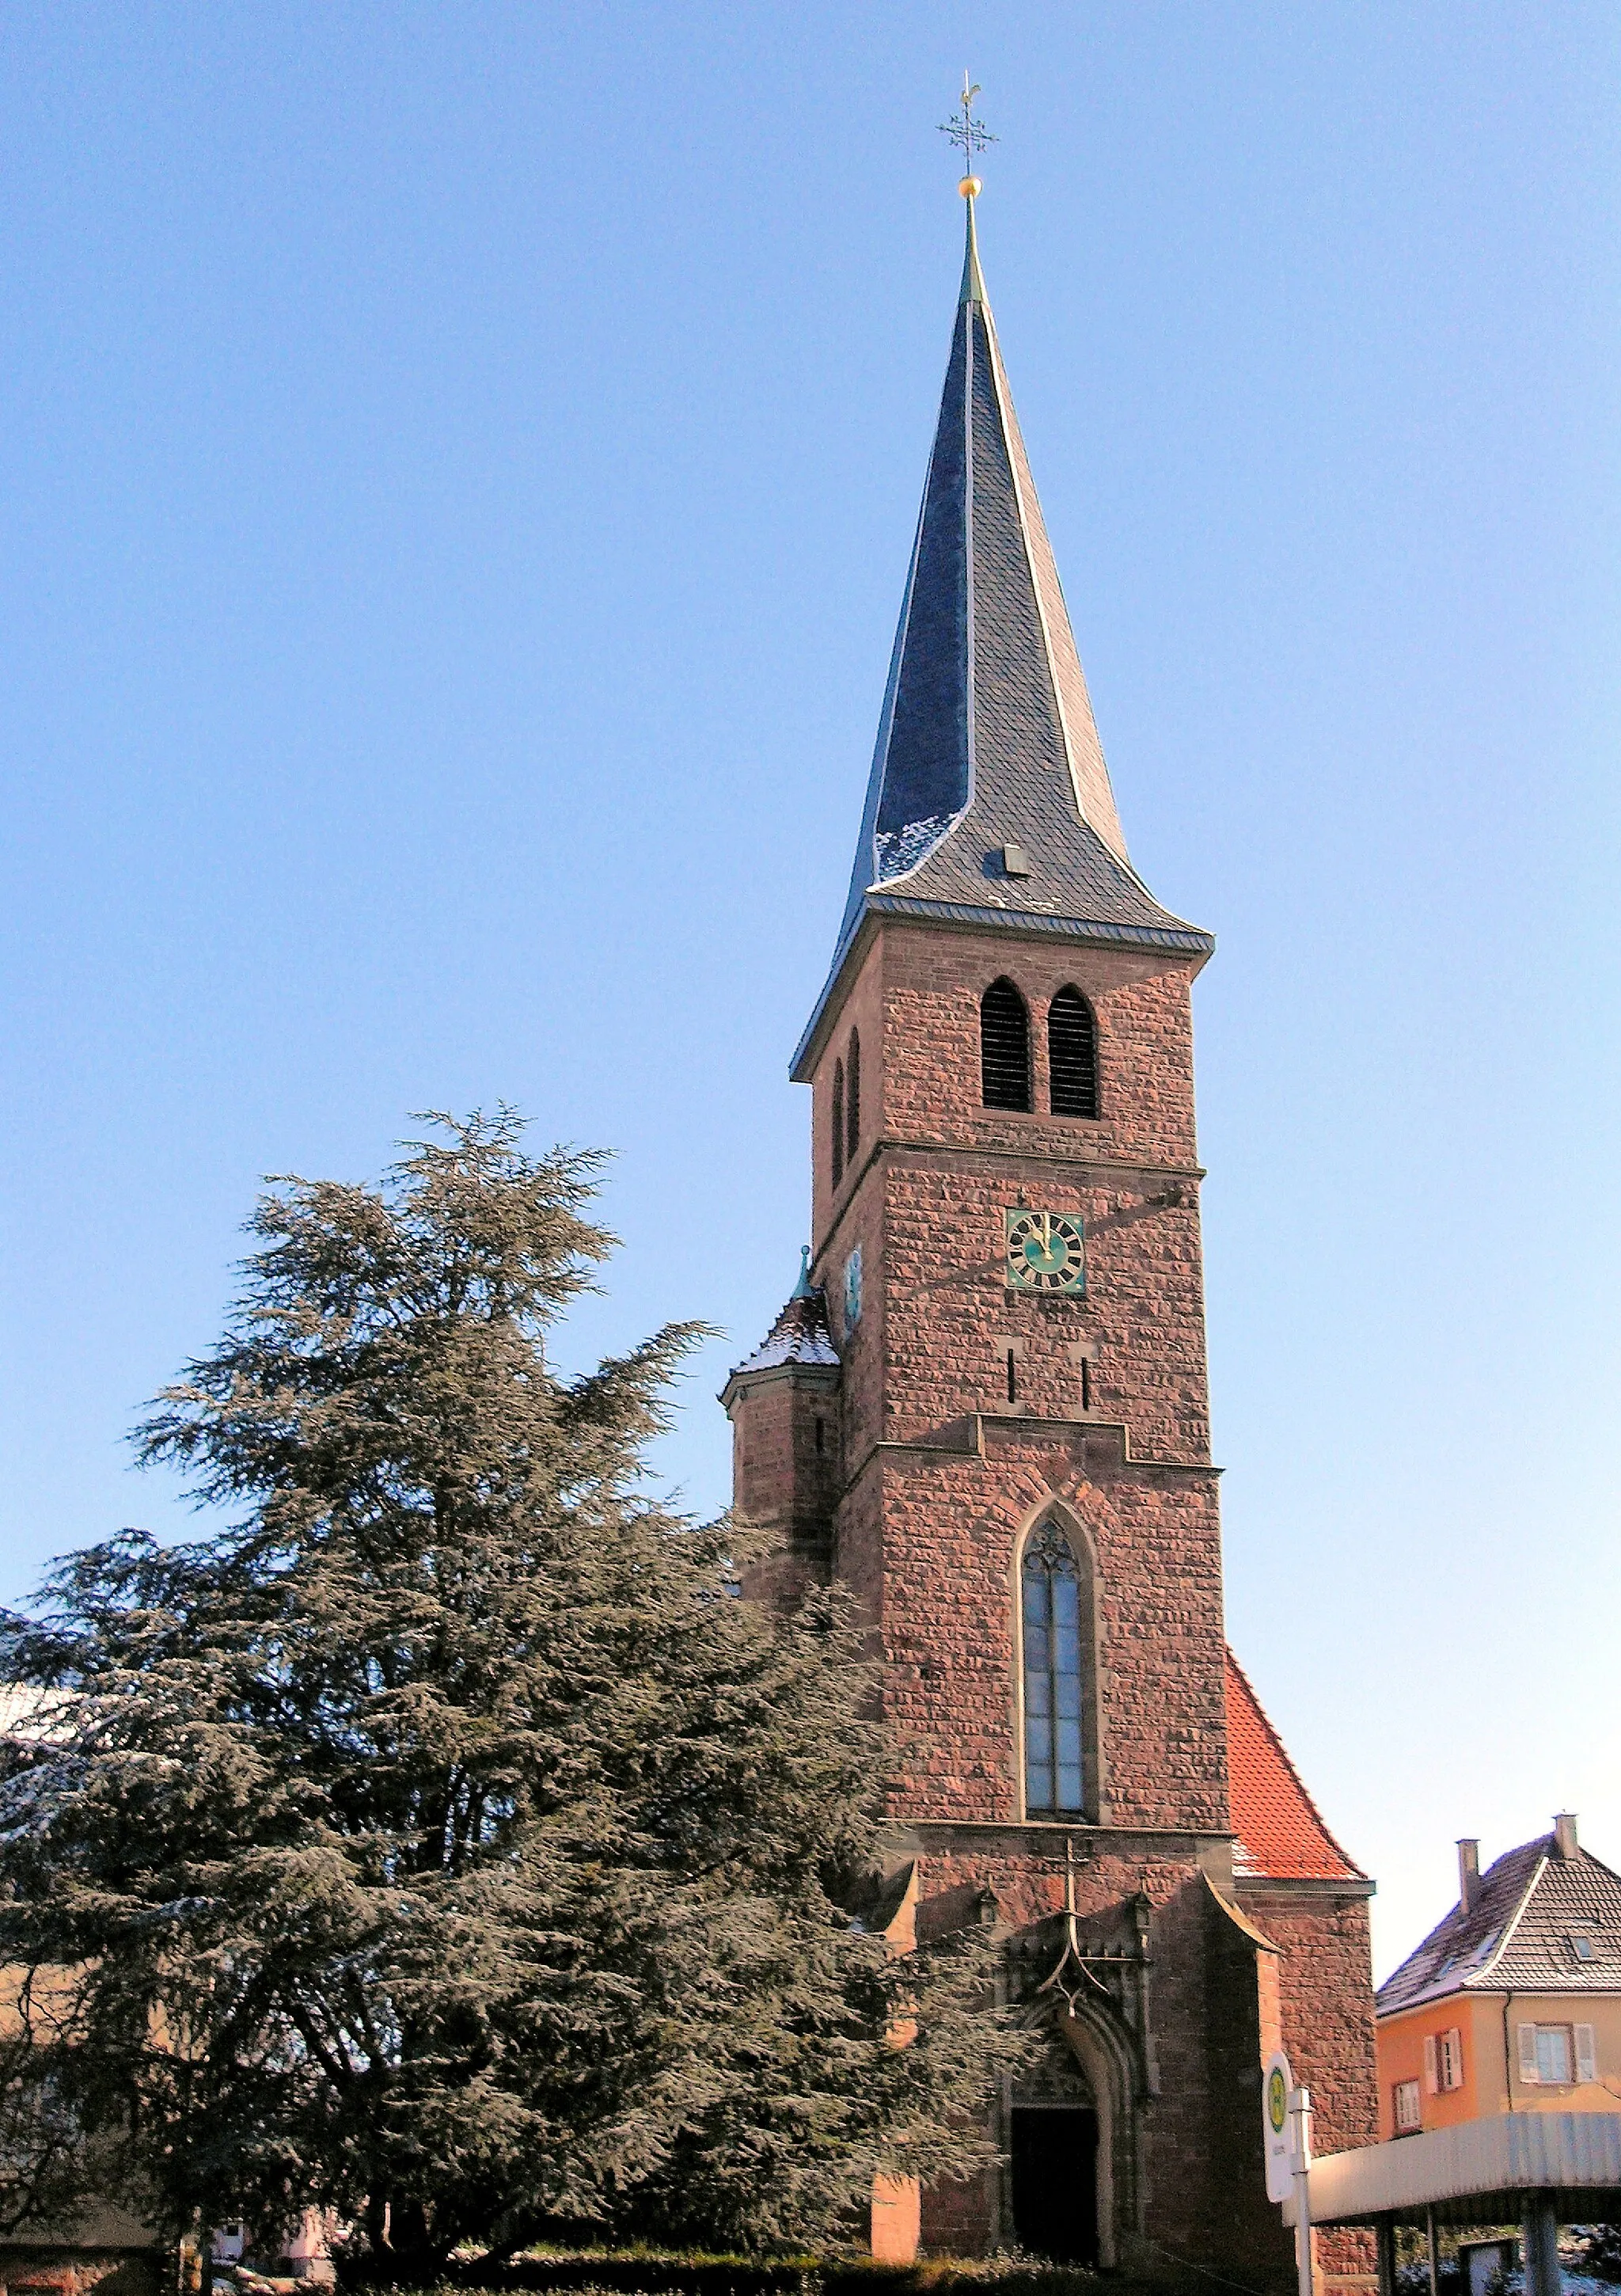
column 852, row 1088
column 1072, row 1054
column 838, row 1125
column 1051, row 1608
column 1004, row 1047
column 1012, row 1379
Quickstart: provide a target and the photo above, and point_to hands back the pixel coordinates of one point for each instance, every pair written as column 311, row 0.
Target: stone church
column 985, row 1408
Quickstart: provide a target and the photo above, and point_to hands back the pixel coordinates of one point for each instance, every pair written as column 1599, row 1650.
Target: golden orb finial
column 970, row 187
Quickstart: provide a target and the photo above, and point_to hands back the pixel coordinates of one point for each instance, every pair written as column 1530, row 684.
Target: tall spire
column 988, row 800
column 973, row 278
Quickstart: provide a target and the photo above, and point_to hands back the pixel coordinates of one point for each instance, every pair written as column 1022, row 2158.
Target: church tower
column 985, row 1409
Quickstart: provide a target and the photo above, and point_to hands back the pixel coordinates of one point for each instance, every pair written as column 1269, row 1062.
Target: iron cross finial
column 971, row 134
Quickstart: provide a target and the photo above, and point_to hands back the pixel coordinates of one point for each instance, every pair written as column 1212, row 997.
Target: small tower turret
column 786, row 1474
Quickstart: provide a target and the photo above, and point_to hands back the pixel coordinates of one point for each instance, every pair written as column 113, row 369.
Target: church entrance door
column 1055, row 2152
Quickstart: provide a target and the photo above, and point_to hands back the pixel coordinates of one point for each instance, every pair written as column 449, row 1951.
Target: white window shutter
column 1527, row 2052
column 1452, row 2050
column 1587, row 2056
column 1432, row 2080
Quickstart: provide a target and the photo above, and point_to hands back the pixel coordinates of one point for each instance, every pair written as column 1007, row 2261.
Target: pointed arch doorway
column 1052, row 2161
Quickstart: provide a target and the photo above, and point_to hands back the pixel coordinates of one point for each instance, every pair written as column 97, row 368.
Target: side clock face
column 1047, row 1252
column 852, row 1290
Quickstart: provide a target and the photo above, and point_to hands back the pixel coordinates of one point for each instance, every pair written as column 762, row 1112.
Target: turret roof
column 986, row 740
column 800, row 1334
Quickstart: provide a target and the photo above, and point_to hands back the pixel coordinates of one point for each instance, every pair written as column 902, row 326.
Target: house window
column 1004, row 1047
column 1054, row 1704
column 1444, row 2061
column 1072, row 1054
column 1582, row 1947
column 1545, row 2054
column 1409, row 2112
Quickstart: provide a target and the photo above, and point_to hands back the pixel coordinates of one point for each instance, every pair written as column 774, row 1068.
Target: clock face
column 1046, row 1252
column 852, row 1290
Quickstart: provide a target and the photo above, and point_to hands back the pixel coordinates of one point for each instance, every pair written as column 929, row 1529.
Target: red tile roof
column 1280, row 1836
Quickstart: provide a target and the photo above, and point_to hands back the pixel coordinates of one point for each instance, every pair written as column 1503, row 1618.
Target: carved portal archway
column 1086, row 1986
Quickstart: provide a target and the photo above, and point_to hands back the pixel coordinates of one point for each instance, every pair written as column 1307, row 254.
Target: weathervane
column 972, row 134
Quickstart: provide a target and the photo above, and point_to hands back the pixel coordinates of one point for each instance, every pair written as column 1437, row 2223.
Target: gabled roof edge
column 1356, row 1873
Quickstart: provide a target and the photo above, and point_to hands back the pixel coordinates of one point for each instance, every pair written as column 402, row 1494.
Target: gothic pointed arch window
column 836, row 1127
column 1057, row 1676
column 1072, row 1054
column 1004, row 1047
column 852, row 1087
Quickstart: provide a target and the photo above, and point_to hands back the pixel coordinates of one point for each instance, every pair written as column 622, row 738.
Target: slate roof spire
column 986, row 739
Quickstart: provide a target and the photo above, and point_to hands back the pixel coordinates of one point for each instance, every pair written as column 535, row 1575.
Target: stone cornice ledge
column 1303, row 1885
column 1022, row 1424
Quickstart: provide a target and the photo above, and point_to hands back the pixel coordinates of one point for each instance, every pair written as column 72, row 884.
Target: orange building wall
column 1491, row 2079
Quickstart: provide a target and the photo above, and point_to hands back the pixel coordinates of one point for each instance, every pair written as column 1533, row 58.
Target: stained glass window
column 1051, row 1626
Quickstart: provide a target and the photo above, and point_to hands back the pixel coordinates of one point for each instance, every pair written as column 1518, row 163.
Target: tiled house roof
column 986, row 739
column 1521, row 1934
column 1280, row 1834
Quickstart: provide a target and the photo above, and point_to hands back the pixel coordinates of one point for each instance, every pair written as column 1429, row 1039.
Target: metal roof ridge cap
column 1506, row 1939
column 968, row 551
column 1003, row 397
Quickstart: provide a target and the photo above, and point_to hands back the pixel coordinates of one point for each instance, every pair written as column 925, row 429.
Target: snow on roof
column 1541, row 1924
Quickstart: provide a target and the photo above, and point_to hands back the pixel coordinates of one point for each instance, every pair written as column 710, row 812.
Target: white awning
column 1480, row 2172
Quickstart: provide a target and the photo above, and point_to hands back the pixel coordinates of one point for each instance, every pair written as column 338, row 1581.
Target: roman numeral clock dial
column 1046, row 1252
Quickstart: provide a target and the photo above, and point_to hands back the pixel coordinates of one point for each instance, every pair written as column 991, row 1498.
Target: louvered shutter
column 1587, row 2056
column 1452, row 2059
column 1431, row 2077
column 1527, row 2052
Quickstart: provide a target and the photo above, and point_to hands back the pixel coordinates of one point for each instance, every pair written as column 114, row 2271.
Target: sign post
column 1300, row 2127
column 1286, row 2133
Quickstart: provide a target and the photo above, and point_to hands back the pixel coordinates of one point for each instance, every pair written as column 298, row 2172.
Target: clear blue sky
column 458, row 466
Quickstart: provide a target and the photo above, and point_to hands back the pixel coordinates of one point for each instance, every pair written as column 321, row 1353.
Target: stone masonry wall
column 943, row 1476
column 930, row 1542
column 1325, row 2002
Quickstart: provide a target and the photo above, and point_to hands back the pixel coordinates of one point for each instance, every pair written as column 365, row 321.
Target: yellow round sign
column 1277, row 2101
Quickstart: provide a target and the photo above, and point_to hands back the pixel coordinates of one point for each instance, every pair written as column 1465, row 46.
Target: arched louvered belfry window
column 1072, row 1054
column 852, row 1086
column 1004, row 1047
column 1055, row 1614
column 838, row 1123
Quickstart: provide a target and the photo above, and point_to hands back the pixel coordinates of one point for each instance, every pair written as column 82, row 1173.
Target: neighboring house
column 1512, row 2004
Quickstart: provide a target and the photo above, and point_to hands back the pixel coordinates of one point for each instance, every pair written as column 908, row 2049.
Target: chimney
column 1564, row 1835
column 1468, row 1874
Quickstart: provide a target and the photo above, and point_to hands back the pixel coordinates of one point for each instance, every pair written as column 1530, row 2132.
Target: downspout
column 1508, row 2061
